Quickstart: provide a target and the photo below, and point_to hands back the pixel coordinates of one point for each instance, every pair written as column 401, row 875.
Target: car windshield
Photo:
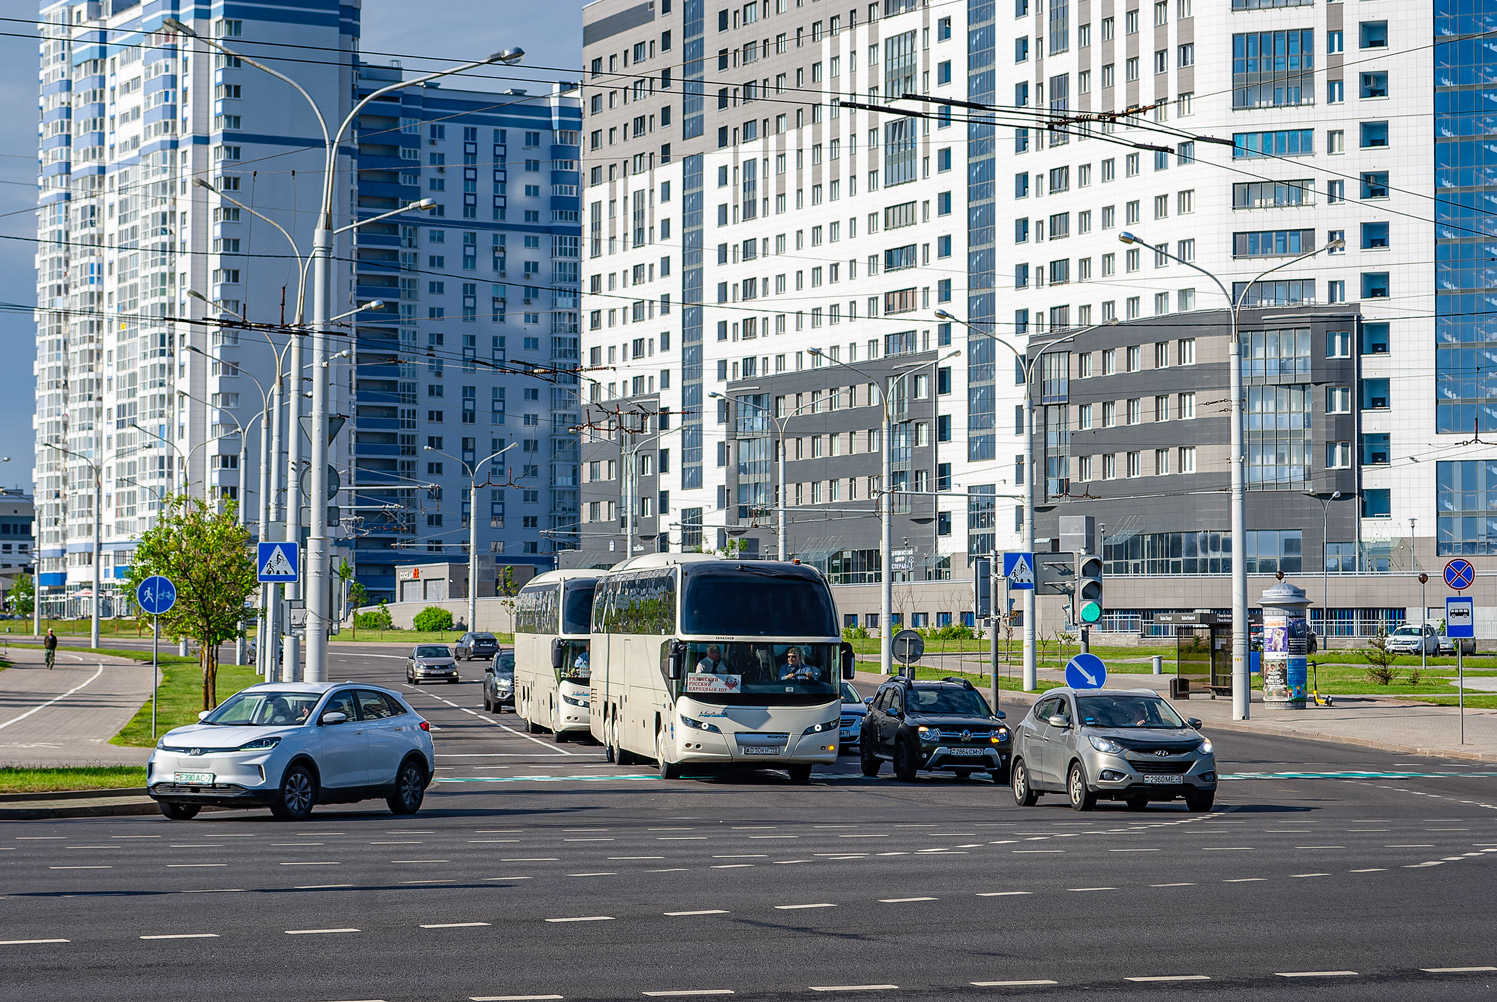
column 749, row 672
column 1127, row 710
column 433, row 651
column 944, row 700
column 265, row 709
column 1406, row 631
column 850, row 695
column 504, row 664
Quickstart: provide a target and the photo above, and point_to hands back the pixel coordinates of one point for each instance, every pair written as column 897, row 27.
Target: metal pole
column 263, row 506
column 1424, row 618
column 155, row 667
column 1031, row 667
column 291, row 649
column 628, row 484
column 783, row 545
column 472, row 549
column 994, row 563
column 886, row 547
column 98, row 548
column 316, row 570
column 239, row 640
column 1460, row 684
column 1241, row 694
column 1325, row 570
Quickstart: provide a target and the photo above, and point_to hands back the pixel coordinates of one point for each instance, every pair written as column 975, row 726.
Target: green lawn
column 122, row 777
column 180, row 697
column 412, row 637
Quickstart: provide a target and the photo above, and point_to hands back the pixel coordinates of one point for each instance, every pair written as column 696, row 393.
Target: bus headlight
column 576, row 700
column 700, row 725
column 835, row 724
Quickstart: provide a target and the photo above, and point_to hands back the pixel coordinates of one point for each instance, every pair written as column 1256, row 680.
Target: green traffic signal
column 1091, row 612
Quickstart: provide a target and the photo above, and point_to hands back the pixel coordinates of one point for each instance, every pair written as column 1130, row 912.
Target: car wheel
column 800, row 775
column 668, row 770
column 297, row 795
column 179, row 812
column 410, row 788
column 488, row 704
column 904, row 762
column 1024, row 794
column 1137, row 803
column 1082, row 798
column 870, row 761
column 1200, row 801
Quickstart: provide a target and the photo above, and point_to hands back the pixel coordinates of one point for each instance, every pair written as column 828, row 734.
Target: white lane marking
column 1320, row 847
column 587, row 840
column 600, row 873
column 192, row 866
column 1012, row 984
column 318, row 887
column 1170, row 977
column 512, row 998
column 731, row 866
column 583, row 918
column 1243, row 880
column 30, row 942
column 454, row 925
column 1173, row 885
column 1370, row 869
column 214, row 890
column 317, row 932
column 785, row 862
column 1004, row 894
column 853, row 988
column 703, row 911
column 791, row 908
column 1316, row 974
column 95, row 867
column 326, row 862
column 900, row 901
column 420, row 860
column 503, row 727
column 1229, row 848
column 690, row 991
column 183, row 935
column 54, row 699
column 1309, row 875
column 614, row 858
column 1456, row 970
column 1080, row 889
column 1135, row 850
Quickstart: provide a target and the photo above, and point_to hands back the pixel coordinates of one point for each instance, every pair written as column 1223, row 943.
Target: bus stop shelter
column 1203, row 653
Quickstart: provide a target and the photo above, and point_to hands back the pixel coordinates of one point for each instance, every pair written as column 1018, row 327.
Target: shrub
column 433, row 619
column 854, row 633
column 375, row 619
column 1380, row 670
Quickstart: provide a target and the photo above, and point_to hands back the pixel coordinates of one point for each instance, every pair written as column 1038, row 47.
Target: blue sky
column 463, row 29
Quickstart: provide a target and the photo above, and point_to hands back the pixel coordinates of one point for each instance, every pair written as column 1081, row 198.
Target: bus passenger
column 796, row 669
column 712, row 664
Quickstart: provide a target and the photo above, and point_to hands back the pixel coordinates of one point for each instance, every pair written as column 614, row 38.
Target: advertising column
column 1285, row 647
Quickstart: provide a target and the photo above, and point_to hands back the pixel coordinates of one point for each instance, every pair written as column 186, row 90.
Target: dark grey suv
column 1111, row 744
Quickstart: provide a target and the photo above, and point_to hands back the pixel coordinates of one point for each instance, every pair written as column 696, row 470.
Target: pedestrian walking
column 51, row 645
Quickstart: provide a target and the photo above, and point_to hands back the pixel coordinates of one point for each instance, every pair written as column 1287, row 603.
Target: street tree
column 23, row 595
column 205, row 553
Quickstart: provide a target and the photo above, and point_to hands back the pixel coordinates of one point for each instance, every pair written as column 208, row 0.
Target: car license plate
column 966, row 751
column 762, row 749
column 1150, row 780
column 195, row 778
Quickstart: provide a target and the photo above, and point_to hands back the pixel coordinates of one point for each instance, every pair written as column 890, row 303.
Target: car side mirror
column 895, row 711
column 557, row 651
column 334, row 717
column 203, row 714
column 849, row 662
column 1000, row 714
column 1056, row 720
column 867, row 700
column 676, row 660
column 1194, row 722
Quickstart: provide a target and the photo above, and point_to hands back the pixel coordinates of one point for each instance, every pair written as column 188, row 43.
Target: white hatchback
column 291, row 745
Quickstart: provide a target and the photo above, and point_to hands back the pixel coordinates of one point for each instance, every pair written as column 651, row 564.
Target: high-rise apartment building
column 760, row 258
column 141, row 386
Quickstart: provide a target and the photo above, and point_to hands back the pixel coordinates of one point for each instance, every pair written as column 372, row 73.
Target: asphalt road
column 536, row 870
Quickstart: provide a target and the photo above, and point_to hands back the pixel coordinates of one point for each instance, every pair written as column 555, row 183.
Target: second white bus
column 553, row 617
column 701, row 662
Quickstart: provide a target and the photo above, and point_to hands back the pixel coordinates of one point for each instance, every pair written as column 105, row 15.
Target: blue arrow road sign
column 156, row 595
column 1459, row 574
column 1460, row 617
column 278, row 561
column 1019, row 569
column 1086, row 671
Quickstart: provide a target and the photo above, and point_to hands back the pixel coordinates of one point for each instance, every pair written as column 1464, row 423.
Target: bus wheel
column 608, row 752
column 800, row 775
column 668, row 770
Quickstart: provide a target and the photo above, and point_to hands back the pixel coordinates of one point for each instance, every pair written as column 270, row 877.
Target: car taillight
column 425, row 726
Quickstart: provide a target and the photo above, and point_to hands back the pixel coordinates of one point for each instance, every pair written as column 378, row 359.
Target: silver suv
column 1113, row 744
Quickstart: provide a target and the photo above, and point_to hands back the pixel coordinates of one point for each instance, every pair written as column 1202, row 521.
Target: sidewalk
column 67, row 716
column 1385, row 723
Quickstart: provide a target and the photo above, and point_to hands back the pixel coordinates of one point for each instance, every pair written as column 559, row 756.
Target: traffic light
column 1088, row 587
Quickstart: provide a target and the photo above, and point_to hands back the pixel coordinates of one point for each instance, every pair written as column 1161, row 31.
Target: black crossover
column 931, row 726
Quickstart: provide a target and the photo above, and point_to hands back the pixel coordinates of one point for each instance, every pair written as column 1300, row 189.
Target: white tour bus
column 553, row 617
column 703, row 661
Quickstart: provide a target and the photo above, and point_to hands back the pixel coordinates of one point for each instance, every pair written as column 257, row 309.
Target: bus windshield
column 757, row 602
column 575, row 665
column 746, row 672
column 577, row 607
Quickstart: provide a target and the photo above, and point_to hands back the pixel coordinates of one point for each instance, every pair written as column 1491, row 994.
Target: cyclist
column 51, row 645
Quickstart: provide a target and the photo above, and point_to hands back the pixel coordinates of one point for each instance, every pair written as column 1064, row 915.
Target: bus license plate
column 195, row 778
column 966, row 751
column 1161, row 780
column 762, row 749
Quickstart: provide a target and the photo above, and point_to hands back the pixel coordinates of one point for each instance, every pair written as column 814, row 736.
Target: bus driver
column 796, row 669
column 713, row 663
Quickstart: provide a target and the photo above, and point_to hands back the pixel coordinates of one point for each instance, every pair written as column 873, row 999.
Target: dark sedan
column 475, row 647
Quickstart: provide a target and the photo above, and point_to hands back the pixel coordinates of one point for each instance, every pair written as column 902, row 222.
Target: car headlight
column 831, row 725
column 700, row 725
column 1000, row 735
column 260, row 744
column 1107, row 745
column 1205, row 747
column 928, row 734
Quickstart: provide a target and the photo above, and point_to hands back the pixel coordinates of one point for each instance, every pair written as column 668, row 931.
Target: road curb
column 1246, row 727
column 41, row 810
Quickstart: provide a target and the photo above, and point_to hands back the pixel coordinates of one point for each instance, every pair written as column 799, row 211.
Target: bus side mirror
column 557, row 651
column 676, row 660
column 849, row 662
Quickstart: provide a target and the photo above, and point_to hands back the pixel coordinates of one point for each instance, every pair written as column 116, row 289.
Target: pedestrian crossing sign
column 1019, row 569
column 278, row 561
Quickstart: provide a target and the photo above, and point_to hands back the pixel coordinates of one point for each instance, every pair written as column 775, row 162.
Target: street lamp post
column 886, row 504
column 1029, row 366
column 317, row 563
column 1325, row 564
column 1241, row 692
column 98, row 536
column 472, row 471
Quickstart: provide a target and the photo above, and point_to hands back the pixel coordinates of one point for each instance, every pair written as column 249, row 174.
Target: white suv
column 291, row 745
